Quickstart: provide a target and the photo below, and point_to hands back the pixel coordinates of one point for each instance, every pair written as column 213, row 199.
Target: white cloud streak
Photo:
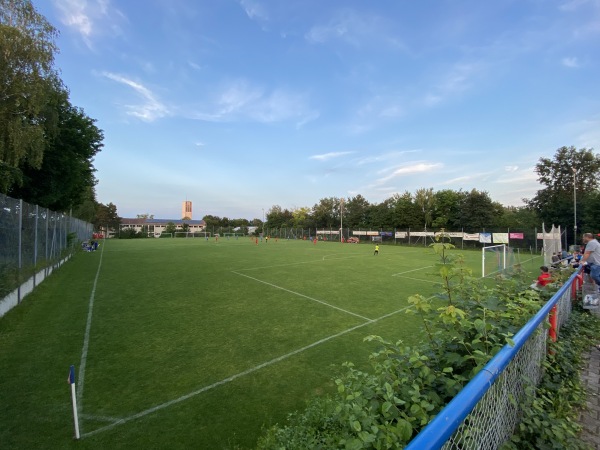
column 241, row 100
column 328, row 156
column 150, row 109
column 89, row 17
column 409, row 169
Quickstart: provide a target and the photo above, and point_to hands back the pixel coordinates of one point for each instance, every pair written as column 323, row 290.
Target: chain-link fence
column 486, row 412
column 33, row 240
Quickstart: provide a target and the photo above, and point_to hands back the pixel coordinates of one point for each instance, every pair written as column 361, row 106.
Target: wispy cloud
column 241, row 100
column 254, row 10
column 89, row 17
column 571, row 62
column 355, row 29
column 458, row 79
column 150, row 108
column 408, row 169
column 511, row 168
column 384, row 157
column 330, row 155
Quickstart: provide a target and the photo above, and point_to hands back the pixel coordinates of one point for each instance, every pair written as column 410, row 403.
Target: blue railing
column 445, row 424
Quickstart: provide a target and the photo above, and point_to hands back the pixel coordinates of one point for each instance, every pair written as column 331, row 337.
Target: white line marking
column 285, row 265
column 86, row 336
column 305, row 296
column 236, row 376
column 100, row 418
column 418, row 279
column 413, row 270
column 336, row 254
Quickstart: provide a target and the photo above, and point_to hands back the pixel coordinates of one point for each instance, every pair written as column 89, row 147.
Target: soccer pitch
column 188, row 343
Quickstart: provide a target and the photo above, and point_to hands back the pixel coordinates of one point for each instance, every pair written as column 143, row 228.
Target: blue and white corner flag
column 71, row 381
column 71, row 378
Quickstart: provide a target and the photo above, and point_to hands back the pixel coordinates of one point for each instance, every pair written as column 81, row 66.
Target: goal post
column 493, row 259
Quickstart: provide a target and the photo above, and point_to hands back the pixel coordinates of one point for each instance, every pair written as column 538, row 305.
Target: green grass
column 173, row 316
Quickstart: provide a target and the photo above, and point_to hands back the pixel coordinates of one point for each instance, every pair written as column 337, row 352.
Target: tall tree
column 67, row 171
column 425, row 200
column 447, row 206
column 356, row 212
column 570, row 169
column 27, row 76
column 301, row 217
column 107, row 216
column 326, row 213
column 406, row 212
column 478, row 211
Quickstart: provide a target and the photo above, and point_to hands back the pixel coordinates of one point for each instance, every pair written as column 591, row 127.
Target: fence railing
column 32, row 241
column 484, row 414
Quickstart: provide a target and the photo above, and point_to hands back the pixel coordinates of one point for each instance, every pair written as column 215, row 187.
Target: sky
column 239, row 105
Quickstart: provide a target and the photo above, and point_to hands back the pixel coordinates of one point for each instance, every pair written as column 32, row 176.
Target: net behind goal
column 496, row 259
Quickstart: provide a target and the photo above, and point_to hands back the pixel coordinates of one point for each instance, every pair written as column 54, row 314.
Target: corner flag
column 71, row 381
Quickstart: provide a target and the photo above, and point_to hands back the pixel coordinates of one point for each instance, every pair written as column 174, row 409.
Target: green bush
column 130, row 233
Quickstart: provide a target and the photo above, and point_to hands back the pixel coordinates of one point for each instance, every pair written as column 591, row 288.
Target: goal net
column 165, row 235
column 191, row 234
column 496, row 259
column 552, row 244
column 183, row 234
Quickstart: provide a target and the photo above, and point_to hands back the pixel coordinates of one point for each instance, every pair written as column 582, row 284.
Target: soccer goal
column 496, row 259
column 183, row 234
column 165, row 235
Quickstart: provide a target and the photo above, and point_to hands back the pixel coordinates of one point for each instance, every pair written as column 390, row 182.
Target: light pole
column 263, row 227
column 574, row 205
column 341, row 220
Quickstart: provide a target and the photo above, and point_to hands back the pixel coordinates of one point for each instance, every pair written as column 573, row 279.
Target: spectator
column 591, row 256
column 543, row 280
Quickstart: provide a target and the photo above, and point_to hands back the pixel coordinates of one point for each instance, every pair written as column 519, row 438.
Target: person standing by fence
column 591, row 256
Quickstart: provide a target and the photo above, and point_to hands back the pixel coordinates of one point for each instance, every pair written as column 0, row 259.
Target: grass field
column 187, row 343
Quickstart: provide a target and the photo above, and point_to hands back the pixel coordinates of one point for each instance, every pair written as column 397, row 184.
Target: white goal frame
column 161, row 235
column 483, row 250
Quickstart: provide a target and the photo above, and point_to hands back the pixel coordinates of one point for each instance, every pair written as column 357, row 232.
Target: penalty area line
column 236, row 376
column 418, row 279
column 305, row 296
column 409, row 271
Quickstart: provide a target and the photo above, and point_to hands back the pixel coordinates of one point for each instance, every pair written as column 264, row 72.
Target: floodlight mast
column 574, row 205
column 342, row 219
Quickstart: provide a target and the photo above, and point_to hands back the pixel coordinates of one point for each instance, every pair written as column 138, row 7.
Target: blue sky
column 239, row 105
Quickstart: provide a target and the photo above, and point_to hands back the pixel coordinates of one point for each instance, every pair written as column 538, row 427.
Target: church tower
column 186, row 210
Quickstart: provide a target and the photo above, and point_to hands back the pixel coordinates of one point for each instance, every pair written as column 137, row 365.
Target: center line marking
column 305, row 296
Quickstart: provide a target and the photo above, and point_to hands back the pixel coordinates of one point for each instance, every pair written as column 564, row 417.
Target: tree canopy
column 47, row 145
column 27, row 79
column 570, row 176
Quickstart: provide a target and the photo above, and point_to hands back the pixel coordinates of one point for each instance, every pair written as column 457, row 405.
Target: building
column 186, row 210
column 155, row 227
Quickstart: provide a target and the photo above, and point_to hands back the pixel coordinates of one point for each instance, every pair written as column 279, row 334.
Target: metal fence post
column 20, row 258
column 35, row 245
